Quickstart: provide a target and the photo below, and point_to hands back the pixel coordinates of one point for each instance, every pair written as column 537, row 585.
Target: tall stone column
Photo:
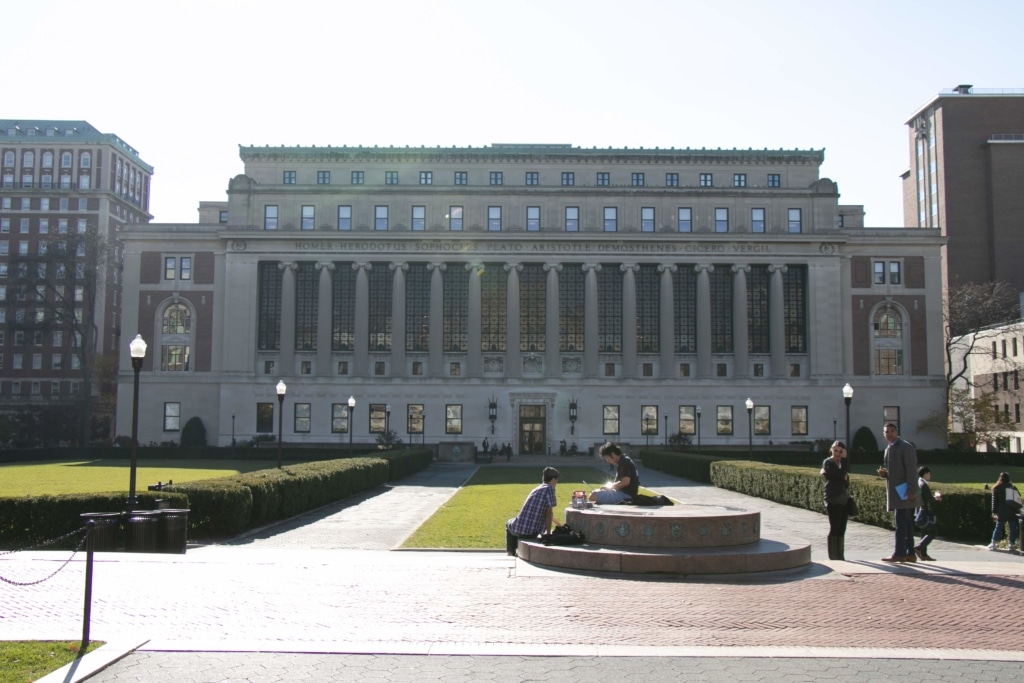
column 704, row 319
column 667, row 330
column 552, row 353
column 361, row 355
column 629, row 271
column 287, row 356
column 513, row 356
column 777, row 321
column 474, row 359
column 740, row 324
column 590, row 320
column 436, row 357
column 324, row 320
column 398, row 319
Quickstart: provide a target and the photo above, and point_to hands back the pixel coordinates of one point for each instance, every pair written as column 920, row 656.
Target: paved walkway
column 325, row 589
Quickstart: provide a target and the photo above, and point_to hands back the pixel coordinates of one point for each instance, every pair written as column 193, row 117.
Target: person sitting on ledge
column 537, row 515
column 627, row 481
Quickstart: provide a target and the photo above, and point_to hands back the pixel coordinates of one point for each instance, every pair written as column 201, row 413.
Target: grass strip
column 30, row 660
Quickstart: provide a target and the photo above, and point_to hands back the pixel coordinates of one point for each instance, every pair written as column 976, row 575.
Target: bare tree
column 57, row 292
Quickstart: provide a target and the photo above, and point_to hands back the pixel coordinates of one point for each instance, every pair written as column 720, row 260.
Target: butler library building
column 530, row 294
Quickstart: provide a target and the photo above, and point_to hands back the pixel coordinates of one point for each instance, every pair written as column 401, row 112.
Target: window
column 288, row 178
column 707, row 180
column 380, row 218
column 636, row 179
column 568, row 178
column 610, row 419
column 65, row 159
column 888, row 342
column 56, row 361
column 494, row 218
column 414, row 418
column 774, row 180
column 177, row 319
column 647, row 219
column 419, row 218
column 648, row 420
column 603, row 180
column 172, row 417
column 174, row 358
column 378, row 418
column 879, row 278
column 611, row 219
column 894, row 273
column 223, row 217
column 762, row 420
column 339, row 418
column 532, row 178
column 723, row 420
column 455, row 218
column 739, row 179
column 532, row 218
column 426, row 177
column 453, row 418
column 497, row 177
column 185, row 268
column 798, row 420
column 170, row 267
column 461, row 178
column 687, row 419
column 302, row 418
column 721, row 220
column 344, row 218
column 671, row 180
column 891, row 414
column 323, row 178
column 269, row 217
column 265, row 418
column 357, row 177
column 757, row 220
column 391, row 177
column 795, row 220
column 308, row 217
column 572, row 219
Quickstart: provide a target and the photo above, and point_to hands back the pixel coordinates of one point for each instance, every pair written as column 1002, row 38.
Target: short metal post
column 87, row 612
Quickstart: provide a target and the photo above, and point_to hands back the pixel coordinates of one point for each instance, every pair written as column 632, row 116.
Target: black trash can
column 141, row 529
column 104, row 531
column 173, row 531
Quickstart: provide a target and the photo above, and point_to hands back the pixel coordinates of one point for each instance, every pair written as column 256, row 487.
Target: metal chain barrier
column 84, row 531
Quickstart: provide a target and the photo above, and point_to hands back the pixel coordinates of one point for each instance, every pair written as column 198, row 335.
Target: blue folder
column 901, row 491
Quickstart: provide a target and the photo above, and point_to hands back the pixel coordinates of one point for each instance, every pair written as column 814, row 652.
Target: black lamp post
column 573, row 407
column 847, row 397
column 232, row 433
column 647, row 429
column 351, row 408
column 281, row 390
column 750, row 428
column 387, row 425
column 835, row 434
column 665, row 437
column 423, row 427
column 698, row 429
column 492, row 412
column 137, row 349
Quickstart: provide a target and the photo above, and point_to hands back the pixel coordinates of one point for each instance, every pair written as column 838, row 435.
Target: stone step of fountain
column 764, row 555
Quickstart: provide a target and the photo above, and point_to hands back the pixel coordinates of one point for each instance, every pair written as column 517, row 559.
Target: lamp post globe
column 137, row 350
column 282, row 389
column 750, row 428
column 351, row 408
column 698, row 429
column 847, row 398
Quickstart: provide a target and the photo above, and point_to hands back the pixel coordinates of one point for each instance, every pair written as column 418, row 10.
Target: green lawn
column 474, row 518
column 30, row 660
column 99, row 476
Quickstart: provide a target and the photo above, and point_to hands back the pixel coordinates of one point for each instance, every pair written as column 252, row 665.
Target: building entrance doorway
column 532, row 434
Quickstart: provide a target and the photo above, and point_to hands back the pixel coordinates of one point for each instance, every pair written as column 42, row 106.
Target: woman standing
column 1003, row 512
column 837, row 483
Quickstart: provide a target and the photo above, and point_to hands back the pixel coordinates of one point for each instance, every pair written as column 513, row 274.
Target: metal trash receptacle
column 173, row 531
column 141, row 530
column 104, row 530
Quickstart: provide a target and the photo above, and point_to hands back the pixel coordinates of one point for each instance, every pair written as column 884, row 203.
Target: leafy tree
column 389, row 440
column 193, row 434
column 978, row 420
column 864, row 441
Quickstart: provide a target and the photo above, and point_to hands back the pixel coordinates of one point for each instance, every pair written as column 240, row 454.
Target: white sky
column 186, row 82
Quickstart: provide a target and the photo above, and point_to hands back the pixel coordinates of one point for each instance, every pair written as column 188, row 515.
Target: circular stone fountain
column 678, row 539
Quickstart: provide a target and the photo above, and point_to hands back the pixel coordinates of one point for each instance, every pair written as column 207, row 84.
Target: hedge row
column 218, row 508
column 964, row 513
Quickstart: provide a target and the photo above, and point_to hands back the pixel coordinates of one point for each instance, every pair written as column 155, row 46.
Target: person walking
column 926, row 513
column 899, row 469
column 836, row 471
column 1005, row 508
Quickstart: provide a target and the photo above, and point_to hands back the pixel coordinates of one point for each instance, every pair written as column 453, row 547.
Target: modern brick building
column 966, row 178
column 532, row 293
column 64, row 184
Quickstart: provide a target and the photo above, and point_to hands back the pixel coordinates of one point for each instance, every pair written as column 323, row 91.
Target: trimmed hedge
column 218, row 508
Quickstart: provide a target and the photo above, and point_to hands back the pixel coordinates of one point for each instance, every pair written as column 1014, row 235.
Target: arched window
column 176, row 337
column 47, row 159
column 85, row 160
column 177, row 320
column 28, row 159
column 887, row 342
column 65, row 159
column 8, row 158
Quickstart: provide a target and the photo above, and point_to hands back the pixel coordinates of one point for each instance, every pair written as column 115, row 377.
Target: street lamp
column 750, row 428
column 647, row 429
column 387, row 425
column 573, row 407
column 351, row 407
column 835, row 434
column 232, row 433
column 492, row 412
column 137, row 349
column 281, row 390
column 847, row 397
column 698, row 429
column 665, row 438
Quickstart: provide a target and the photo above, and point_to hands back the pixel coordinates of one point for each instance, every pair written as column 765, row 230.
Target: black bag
column 851, row 507
column 647, row 501
column 563, row 535
column 923, row 519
